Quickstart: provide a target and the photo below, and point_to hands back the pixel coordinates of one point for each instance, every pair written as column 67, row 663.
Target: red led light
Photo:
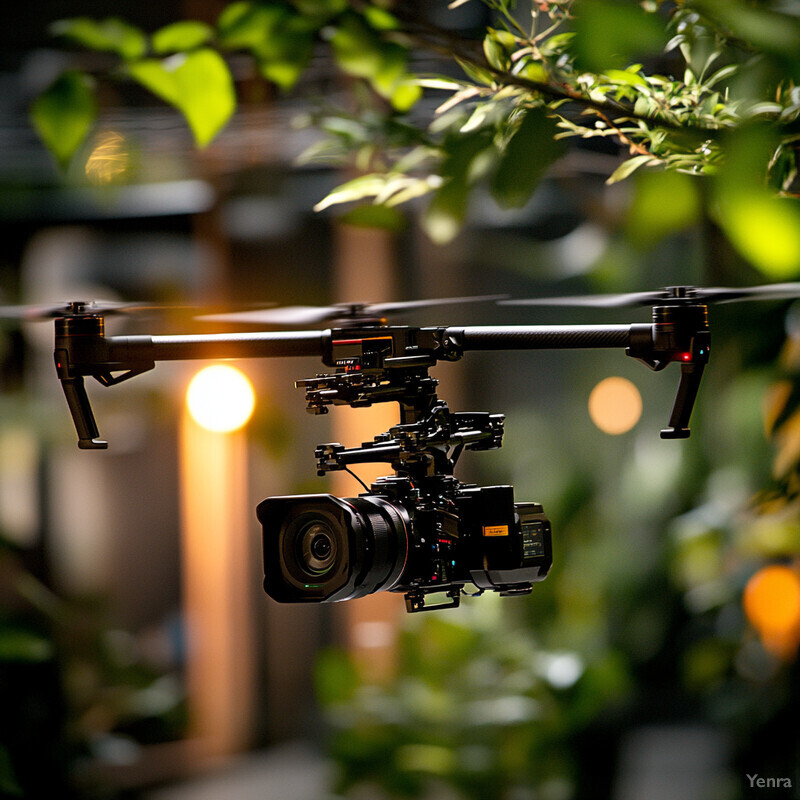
column 686, row 356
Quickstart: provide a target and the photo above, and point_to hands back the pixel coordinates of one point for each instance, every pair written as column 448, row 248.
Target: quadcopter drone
column 420, row 530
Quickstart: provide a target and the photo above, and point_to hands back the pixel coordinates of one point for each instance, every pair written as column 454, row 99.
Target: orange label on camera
column 495, row 530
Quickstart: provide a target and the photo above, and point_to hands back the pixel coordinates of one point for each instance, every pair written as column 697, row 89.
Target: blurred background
column 139, row 656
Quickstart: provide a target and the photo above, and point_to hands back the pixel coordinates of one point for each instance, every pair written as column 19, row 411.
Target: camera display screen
column 533, row 532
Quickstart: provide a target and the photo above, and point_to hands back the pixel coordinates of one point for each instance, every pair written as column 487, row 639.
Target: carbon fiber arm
column 537, row 337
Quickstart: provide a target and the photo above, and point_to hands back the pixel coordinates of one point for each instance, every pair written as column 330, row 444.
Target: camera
column 400, row 538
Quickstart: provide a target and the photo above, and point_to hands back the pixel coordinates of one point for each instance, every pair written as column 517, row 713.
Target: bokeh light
column 615, row 405
column 772, row 604
column 220, row 398
column 109, row 159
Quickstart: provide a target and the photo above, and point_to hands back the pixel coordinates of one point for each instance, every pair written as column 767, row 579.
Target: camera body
column 401, row 537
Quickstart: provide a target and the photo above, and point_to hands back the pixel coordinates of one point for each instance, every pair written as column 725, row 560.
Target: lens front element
column 317, row 549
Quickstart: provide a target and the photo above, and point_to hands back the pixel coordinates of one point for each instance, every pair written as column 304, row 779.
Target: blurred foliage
column 76, row 693
column 478, row 706
column 702, row 87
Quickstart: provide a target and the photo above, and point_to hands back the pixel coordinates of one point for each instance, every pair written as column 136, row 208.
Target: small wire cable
column 347, row 469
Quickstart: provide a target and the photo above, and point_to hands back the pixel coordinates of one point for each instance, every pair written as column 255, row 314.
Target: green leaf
column 764, row 229
column 356, row 189
column 448, row 207
column 198, row 84
column 357, row 48
column 249, row 26
column 475, row 72
column 375, row 216
column 181, row 36
column 380, row 18
column 280, row 39
column 405, row 94
column 495, row 52
column 625, row 76
column 284, row 74
column 532, row 71
column 158, row 78
column 528, row 154
column 664, row 202
column 721, row 75
column 629, row 166
column 322, row 9
column 613, row 33
column 108, row 35
column 446, row 213
column 392, row 81
column 284, row 54
column 64, row 114
column 20, row 645
column 359, row 51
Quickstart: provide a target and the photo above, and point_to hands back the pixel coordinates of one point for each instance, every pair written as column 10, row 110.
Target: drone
column 420, row 530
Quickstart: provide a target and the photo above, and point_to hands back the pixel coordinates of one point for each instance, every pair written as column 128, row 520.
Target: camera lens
column 317, row 547
column 321, row 548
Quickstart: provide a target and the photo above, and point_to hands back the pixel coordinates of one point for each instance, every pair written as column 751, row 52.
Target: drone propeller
column 344, row 313
column 671, row 295
column 75, row 308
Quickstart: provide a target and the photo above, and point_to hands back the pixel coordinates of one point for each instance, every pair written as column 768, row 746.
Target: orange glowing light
column 772, row 604
column 615, row 405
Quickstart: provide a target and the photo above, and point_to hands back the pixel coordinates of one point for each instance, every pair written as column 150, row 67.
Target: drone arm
column 682, row 337
column 99, row 356
column 273, row 344
column 537, row 337
column 81, row 350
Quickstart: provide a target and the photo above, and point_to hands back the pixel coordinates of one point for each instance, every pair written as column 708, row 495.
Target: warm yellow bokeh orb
column 615, row 405
column 220, row 398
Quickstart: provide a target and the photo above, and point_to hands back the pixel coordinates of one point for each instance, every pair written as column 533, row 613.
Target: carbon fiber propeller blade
column 669, row 295
column 310, row 315
column 75, row 308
